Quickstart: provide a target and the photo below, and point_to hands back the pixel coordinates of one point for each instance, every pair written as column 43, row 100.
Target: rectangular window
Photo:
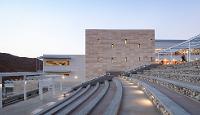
column 139, row 59
column 125, row 41
column 138, row 45
column 57, row 62
column 126, row 59
column 113, row 59
column 152, row 59
column 112, row 46
column 99, row 59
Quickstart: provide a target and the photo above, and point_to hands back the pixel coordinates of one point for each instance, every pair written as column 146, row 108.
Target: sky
column 31, row 28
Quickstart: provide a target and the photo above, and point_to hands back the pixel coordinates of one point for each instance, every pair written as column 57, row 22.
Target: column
column 171, row 56
column 189, row 52
column 40, row 90
column 53, row 86
column 61, row 85
column 1, row 98
column 158, row 56
column 25, row 82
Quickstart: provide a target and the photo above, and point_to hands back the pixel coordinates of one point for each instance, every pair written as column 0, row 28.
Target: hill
column 11, row 63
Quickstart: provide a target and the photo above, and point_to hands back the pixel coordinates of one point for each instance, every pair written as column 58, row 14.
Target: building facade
column 72, row 67
column 117, row 50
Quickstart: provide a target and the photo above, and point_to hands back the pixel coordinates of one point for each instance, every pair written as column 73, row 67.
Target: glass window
column 99, row 59
column 112, row 46
column 57, row 62
column 139, row 59
column 152, row 59
column 126, row 59
column 113, row 59
column 125, row 41
column 138, row 45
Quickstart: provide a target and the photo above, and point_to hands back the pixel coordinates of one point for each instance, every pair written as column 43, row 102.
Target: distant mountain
column 11, row 63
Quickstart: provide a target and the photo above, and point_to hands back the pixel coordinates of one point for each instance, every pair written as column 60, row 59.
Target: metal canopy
column 193, row 42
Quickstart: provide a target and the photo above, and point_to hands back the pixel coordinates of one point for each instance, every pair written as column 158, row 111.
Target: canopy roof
column 193, row 42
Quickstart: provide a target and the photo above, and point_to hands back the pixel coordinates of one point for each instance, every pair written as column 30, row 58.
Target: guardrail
column 20, row 97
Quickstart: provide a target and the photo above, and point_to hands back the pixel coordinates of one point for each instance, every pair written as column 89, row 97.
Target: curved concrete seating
column 77, row 92
column 75, row 104
column 162, row 102
column 62, row 104
column 114, row 106
column 173, row 76
column 175, row 71
column 183, row 88
column 94, row 81
column 193, row 65
column 87, row 109
column 140, row 69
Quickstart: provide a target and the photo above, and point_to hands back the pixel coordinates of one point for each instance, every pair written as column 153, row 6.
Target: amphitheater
column 148, row 90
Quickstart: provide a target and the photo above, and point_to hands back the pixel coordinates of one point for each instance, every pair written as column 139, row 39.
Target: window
column 138, row 45
column 126, row 59
column 57, row 62
column 99, row 59
column 112, row 46
column 112, row 59
column 152, row 59
column 139, row 59
column 125, row 41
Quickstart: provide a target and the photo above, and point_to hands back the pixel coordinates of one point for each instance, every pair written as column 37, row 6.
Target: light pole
column 36, row 64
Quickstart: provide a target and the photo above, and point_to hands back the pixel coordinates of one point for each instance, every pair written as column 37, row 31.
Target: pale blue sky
column 35, row 27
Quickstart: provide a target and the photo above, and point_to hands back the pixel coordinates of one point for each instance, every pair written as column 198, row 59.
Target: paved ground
column 135, row 102
column 35, row 105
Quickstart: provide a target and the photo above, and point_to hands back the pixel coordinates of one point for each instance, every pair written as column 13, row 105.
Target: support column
column 189, row 52
column 61, row 84
column 25, row 82
column 1, row 98
column 40, row 89
column 158, row 56
column 171, row 56
column 53, row 86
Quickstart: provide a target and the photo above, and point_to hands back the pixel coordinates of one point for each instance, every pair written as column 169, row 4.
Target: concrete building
column 70, row 66
column 117, row 50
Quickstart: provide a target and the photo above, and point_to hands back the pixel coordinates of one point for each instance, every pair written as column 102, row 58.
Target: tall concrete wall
column 102, row 56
